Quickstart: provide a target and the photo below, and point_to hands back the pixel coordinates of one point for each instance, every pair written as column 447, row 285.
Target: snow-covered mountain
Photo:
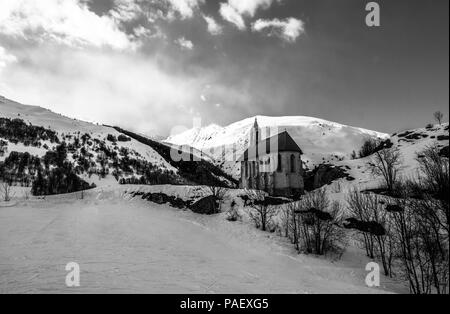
column 320, row 140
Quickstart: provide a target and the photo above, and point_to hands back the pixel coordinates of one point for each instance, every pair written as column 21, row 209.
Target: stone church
column 273, row 165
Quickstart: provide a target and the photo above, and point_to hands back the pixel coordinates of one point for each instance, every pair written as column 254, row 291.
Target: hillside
column 320, row 140
column 97, row 154
column 410, row 144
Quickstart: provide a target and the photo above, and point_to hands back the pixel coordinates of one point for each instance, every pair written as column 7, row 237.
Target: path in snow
column 133, row 246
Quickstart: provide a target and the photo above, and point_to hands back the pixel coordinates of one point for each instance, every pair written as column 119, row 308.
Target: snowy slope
column 319, row 139
column 128, row 245
column 64, row 126
column 410, row 144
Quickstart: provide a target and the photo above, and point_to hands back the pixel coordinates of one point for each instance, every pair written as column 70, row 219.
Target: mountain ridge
column 321, row 140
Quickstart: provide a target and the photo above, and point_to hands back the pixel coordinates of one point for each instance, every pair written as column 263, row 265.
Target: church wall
column 266, row 176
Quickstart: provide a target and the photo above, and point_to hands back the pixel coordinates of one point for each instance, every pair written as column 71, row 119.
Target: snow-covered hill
column 410, row 144
column 68, row 129
column 100, row 154
column 319, row 139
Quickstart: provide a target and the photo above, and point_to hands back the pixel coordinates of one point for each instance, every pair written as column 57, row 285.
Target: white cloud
column 185, row 8
column 126, row 10
column 234, row 11
column 288, row 29
column 249, row 7
column 122, row 89
column 213, row 27
column 129, row 10
column 184, row 43
column 69, row 22
column 6, row 58
column 230, row 14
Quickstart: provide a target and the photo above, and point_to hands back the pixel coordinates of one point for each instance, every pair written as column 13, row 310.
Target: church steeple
column 255, row 133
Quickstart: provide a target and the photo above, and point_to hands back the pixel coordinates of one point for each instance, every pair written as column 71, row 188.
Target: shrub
column 371, row 220
column 369, row 147
column 111, row 138
column 317, row 224
column 123, row 138
column 233, row 213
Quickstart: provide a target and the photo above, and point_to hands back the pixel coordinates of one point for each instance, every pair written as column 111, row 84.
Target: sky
column 152, row 66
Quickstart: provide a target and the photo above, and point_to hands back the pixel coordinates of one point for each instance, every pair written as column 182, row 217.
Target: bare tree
column 435, row 177
column 261, row 211
column 218, row 193
column 372, row 221
column 318, row 224
column 420, row 225
column 387, row 164
column 5, row 191
column 357, row 206
column 285, row 217
column 438, row 116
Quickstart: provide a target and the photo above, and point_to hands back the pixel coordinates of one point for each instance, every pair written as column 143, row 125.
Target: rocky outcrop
column 206, row 206
column 161, row 198
column 324, row 174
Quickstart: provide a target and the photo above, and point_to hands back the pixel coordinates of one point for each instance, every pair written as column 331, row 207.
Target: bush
column 58, row 181
column 317, row 224
column 233, row 213
column 369, row 147
column 3, row 147
column 208, row 205
column 16, row 130
column 261, row 210
column 111, row 138
column 123, row 138
column 411, row 230
column 371, row 220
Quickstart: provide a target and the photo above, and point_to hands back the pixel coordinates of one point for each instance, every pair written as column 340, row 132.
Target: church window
column 292, row 163
column 279, row 167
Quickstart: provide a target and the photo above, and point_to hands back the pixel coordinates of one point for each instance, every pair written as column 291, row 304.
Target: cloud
column 152, row 10
column 72, row 23
column 69, row 22
column 185, row 8
column 125, row 10
column 184, row 43
column 234, row 11
column 6, row 58
column 249, row 7
column 121, row 89
column 230, row 14
column 213, row 27
column 288, row 29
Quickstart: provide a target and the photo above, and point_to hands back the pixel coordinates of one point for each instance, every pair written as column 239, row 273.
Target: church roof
column 284, row 141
